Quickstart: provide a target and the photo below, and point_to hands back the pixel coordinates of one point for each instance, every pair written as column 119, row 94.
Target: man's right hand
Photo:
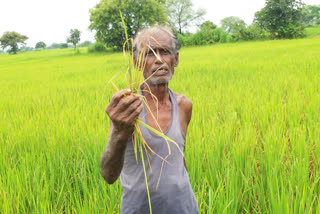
column 123, row 110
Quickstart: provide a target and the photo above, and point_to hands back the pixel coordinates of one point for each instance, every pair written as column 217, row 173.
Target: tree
column 105, row 19
column 281, row 18
column 181, row 15
column 12, row 40
column 41, row 45
column 86, row 43
column 74, row 37
column 310, row 15
column 235, row 26
column 207, row 25
column 255, row 32
column 232, row 24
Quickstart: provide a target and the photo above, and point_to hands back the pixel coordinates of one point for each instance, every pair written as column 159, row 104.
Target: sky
column 51, row 20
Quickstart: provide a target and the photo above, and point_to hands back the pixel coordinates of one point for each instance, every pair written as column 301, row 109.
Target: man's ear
column 176, row 61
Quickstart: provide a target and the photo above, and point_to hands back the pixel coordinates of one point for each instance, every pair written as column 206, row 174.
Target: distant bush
column 97, row 47
column 313, row 31
column 292, row 32
column 85, row 44
column 26, row 49
column 54, row 46
column 203, row 37
column 254, row 32
column 64, row 45
column 209, row 36
column 57, row 46
column 230, row 38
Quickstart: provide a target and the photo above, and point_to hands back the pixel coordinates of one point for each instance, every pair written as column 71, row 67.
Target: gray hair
column 155, row 30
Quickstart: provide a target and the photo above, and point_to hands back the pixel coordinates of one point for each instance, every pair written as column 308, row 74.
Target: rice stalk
column 134, row 81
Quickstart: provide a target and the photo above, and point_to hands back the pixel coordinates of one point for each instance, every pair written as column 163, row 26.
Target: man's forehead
column 156, row 40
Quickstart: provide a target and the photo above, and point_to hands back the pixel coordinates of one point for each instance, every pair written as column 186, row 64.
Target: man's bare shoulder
column 183, row 102
column 185, row 105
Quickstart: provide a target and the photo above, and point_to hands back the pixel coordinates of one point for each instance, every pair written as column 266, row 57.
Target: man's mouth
column 160, row 71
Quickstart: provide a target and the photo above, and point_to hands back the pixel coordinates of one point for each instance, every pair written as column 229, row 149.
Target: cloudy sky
column 50, row 21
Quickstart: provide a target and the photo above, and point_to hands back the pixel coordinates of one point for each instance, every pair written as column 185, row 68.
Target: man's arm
column 187, row 107
column 185, row 113
column 123, row 111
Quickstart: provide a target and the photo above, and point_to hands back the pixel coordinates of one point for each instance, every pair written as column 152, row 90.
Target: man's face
column 160, row 59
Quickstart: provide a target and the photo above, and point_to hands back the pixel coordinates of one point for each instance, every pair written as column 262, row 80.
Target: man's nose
column 158, row 59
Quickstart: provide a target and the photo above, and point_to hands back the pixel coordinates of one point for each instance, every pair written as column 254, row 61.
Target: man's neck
column 161, row 92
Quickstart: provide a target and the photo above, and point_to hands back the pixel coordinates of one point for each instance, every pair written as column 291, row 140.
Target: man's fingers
column 126, row 102
column 118, row 96
column 123, row 106
column 134, row 114
column 134, row 105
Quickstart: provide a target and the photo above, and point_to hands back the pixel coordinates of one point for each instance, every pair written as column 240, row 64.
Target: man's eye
column 150, row 53
column 164, row 51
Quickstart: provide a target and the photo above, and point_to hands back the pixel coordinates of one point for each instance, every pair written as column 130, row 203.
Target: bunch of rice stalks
column 134, row 79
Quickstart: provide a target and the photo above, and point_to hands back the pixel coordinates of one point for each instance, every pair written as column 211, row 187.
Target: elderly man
column 168, row 182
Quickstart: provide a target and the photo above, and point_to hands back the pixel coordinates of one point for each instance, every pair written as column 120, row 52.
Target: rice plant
column 134, row 82
column 252, row 145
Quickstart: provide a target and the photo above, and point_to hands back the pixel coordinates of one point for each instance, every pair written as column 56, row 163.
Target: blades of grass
column 128, row 73
column 128, row 47
column 144, row 142
column 159, row 58
column 114, row 86
column 145, row 174
column 140, row 65
column 158, row 182
column 138, row 135
column 135, row 144
column 105, row 88
column 154, row 99
column 160, row 134
column 156, row 121
column 124, row 26
column 147, row 155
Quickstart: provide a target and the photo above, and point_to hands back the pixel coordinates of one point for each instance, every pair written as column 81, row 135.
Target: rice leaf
column 160, row 134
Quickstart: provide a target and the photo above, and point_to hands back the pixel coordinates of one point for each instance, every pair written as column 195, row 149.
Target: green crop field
column 253, row 145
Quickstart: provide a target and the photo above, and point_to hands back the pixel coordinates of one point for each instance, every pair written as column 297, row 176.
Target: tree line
column 12, row 40
column 278, row 19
